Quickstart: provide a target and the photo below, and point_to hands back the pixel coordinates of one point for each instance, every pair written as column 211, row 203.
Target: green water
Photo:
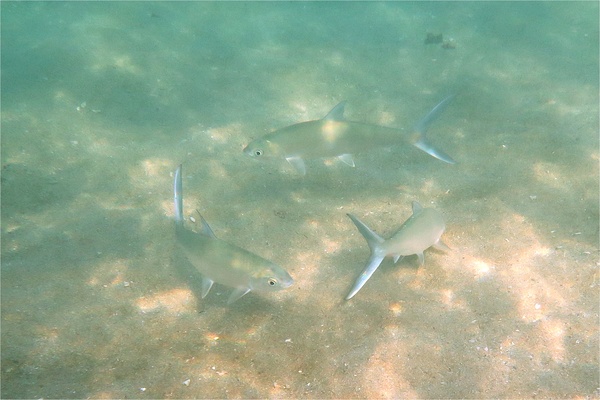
column 102, row 100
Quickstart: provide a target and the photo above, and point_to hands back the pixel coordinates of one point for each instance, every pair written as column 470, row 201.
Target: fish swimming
column 222, row 262
column 334, row 136
column 419, row 232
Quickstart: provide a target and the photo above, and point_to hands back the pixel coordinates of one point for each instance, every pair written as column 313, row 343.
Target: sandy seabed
column 101, row 102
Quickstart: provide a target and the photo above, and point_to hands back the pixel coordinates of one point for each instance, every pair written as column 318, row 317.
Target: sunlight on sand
column 168, row 208
column 386, row 118
column 221, row 134
column 154, row 167
column 111, row 273
column 396, row 308
column 103, row 100
column 105, row 58
column 547, row 173
column 103, row 55
column 452, row 301
column 563, row 109
column 385, row 375
column 190, row 205
column 175, row 301
column 307, row 273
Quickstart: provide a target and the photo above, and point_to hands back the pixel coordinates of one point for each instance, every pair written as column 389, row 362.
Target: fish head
column 271, row 278
column 262, row 148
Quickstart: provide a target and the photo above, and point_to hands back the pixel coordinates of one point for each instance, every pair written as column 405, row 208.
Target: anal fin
column 441, row 246
column 237, row 294
column 397, row 258
column 206, row 285
column 298, row 164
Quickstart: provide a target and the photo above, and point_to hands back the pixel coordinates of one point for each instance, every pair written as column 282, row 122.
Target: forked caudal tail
column 377, row 255
column 374, row 240
column 422, row 126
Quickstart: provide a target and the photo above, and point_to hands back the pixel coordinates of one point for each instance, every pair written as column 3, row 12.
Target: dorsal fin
column 416, row 207
column 205, row 227
column 336, row 113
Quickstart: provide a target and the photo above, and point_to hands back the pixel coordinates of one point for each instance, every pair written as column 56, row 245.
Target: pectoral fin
column 237, row 293
column 298, row 164
column 206, row 285
column 421, row 258
column 397, row 258
column 347, row 158
column 441, row 246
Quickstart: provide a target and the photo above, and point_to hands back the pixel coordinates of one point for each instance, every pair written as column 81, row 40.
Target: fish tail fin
column 373, row 240
column 178, row 198
column 377, row 255
column 372, row 265
column 421, row 130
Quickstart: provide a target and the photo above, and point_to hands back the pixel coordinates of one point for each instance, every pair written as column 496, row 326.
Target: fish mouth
column 286, row 281
column 248, row 151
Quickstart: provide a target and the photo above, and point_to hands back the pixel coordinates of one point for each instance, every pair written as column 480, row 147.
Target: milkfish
column 222, row 262
column 419, row 232
column 334, row 136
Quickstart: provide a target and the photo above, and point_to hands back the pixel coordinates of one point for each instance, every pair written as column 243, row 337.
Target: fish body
column 422, row 230
column 222, row 262
column 334, row 136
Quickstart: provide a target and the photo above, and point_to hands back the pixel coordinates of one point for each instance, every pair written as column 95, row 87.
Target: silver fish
column 222, row 262
column 334, row 136
column 419, row 232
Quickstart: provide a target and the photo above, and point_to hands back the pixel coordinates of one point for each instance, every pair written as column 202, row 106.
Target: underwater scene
column 300, row 200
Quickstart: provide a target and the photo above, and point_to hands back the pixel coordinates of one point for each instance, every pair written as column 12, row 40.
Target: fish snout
column 253, row 151
column 285, row 281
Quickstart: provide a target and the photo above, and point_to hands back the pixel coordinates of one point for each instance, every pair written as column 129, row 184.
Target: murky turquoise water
column 102, row 101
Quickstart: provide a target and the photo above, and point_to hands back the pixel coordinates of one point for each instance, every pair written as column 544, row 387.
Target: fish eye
column 272, row 281
column 258, row 152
